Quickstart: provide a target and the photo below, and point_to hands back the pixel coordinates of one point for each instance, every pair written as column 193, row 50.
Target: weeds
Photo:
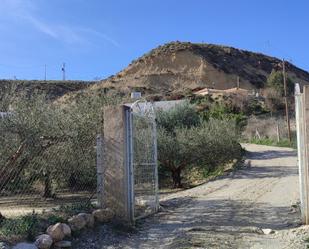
column 75, row 208
column 24, row 226
column 271, row 142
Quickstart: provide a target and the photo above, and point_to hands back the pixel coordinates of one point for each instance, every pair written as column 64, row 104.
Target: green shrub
column 183, row 115
column 25, row 226
column 208, row 144
column 275, row 81
column 272, row 142
column 57, row 142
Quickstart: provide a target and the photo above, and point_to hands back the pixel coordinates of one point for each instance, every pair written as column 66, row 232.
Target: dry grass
column 259, row 127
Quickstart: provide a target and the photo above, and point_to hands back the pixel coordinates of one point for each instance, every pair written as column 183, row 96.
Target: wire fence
column 40, row 172
column 145, row 168
column 267, row 126
column 43, row 176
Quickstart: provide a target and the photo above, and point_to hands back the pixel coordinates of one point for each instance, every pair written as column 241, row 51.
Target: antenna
column 63, row 71
column 45, row 72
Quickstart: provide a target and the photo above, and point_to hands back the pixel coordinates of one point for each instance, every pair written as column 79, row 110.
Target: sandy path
column 229, row 212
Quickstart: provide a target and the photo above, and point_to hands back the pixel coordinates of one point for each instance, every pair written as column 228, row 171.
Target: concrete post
column 116, row 185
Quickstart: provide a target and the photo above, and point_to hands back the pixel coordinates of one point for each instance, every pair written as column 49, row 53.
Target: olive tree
column 207, row 144
column 50, row 142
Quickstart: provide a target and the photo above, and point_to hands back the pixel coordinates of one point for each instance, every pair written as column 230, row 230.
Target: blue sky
column 97, row 38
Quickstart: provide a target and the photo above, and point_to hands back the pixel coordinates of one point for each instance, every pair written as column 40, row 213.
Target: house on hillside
column 235, row 90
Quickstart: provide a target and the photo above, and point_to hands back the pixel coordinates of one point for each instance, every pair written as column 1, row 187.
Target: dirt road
column 228, row 212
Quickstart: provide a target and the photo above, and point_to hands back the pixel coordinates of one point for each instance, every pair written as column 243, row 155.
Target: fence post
column 300, row 149
column 278, row 132
column 100, row 171
column 304, row 153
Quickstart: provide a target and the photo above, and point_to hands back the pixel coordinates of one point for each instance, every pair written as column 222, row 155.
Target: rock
column 267, row 231
column 63, row 244
column 44, row 241
column 3, row 245
column 59, row 231
column 89, row 218
column 103, row 215
column 25, row 246
column 77, row 222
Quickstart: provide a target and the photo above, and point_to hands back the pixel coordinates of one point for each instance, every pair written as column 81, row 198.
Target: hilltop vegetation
column 171, row 71
column 11, row 90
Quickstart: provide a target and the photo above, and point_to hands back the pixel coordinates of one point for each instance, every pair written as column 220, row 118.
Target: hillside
column 178, row 66
column 173, row 68
column 12, row 89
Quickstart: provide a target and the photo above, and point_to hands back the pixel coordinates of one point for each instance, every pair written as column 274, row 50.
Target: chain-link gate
column 143, row 168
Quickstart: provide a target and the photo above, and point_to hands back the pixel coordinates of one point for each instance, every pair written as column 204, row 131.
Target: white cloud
column 100, row 35
column 25, row 10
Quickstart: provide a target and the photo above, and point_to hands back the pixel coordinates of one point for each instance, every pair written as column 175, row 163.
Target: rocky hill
column 178, row 66
column 172, row 68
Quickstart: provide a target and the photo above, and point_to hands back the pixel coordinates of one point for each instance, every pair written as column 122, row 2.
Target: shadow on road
column 266, row 172
column 270, row 154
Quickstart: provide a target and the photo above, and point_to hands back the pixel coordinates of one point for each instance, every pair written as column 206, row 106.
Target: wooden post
column 286, row 102
column 278, row 132
column 257, row 134
column 100, row 171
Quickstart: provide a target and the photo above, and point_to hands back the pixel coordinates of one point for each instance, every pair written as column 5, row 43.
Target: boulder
column 63, row 244
column 89, row 218
column 44, row 241
column 77, row 222
column 103, row 215
column 25, row 246
column 59, row 231
column 3, row 245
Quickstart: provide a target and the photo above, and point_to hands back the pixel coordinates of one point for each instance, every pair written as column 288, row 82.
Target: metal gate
column 142, row 161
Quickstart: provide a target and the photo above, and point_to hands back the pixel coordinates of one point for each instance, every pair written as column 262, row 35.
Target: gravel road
column 229, row 212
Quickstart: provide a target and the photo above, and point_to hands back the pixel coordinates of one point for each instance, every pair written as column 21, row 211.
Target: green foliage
column 208, row 108
column 72, row 209
column 53, row 219
column 57, row 140
column 275, row 81
column 184, row 115
column 208, row 144
column 25, row 226
column 272, row 142
column 223, row 112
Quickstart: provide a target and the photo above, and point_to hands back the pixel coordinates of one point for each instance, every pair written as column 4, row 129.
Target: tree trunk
column 47, row 186
column 177, row 178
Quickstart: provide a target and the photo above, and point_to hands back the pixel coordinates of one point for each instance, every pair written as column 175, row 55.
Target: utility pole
column 286, row 101
column 238, row 82
column 63, row 71
column 45, row 72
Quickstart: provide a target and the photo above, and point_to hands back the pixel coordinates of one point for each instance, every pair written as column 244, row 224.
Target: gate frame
column 130, row 153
